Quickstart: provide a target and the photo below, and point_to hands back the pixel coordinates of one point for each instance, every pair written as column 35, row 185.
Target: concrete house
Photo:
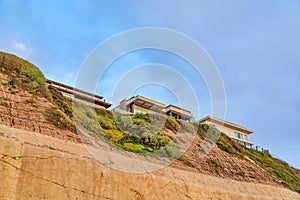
column 143, row 104
column 234, row 131
column 178, row 113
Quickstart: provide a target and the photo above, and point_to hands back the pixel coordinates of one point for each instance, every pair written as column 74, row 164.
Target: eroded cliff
column 35, row 166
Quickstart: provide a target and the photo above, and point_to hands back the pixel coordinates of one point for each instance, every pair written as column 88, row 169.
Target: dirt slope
column 226, row 165
column 20, row 109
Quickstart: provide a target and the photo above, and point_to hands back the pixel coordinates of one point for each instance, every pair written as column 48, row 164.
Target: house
column 143, row 104
column 178, row 113
column 86, row 97
column 234, row 131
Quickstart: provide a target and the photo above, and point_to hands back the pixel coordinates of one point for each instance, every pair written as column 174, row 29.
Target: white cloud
column 20, row 47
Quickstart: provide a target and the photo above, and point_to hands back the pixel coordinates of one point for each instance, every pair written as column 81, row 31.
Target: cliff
column 36, row 166
column 43, row 157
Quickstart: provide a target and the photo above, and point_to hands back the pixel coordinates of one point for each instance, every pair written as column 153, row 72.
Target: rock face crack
column 33, row 157
column 42, row 178
column 3, row 156
column 43, row 146
column 137, row 195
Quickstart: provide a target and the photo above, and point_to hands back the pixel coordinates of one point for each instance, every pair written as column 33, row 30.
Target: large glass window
column 237, row 135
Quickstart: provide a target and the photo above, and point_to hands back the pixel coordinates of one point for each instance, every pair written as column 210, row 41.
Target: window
column 237, row 135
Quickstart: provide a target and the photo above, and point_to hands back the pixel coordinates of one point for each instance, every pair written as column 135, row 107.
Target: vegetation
column 22, row 73
column 61, row 102
column 136, row 133
column 213, row 162
column 287, row 175
column 25, row 75
column 31, row 100
column 115, row 135
column 58, row 118
column 188, row 126
column 232, row 147
column 172, row 124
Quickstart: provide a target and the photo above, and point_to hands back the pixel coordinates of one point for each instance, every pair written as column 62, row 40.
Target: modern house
column 143, row 104
column 234, row 131
column 178, row 113
column 86, row 97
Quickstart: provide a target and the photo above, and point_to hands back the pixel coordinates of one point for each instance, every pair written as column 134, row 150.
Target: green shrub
column 129, row 138
column 133, row 147
column 148, row 149
column 105, row 113
column 213, row 162
column 141, row 119
column 62, row 102
column 172, row 124
column 58, row 118
column 204, row 126
column 125, row 123
column 183, row 158
column 106, row 125
column 187, row 126
column 11, row 83
column 146, row 137
column 141, row 116
column 114, row 134
column 158, row 140
column 31, row 100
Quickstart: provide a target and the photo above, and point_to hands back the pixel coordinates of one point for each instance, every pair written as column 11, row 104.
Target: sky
column 254, row 44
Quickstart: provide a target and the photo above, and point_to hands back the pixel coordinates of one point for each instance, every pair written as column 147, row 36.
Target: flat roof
column 139, row 97
column 178, row 108
column 79, row 94
column 74, row 89
column 227, row 123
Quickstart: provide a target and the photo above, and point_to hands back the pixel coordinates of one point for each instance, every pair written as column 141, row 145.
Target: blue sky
column 255, row 45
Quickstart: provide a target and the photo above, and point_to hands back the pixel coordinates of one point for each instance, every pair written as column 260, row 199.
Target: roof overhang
column 226, row 124
column 179, row 111
column 146, row 103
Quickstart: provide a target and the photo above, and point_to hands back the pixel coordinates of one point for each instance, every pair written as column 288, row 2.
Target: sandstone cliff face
column 36, row 166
